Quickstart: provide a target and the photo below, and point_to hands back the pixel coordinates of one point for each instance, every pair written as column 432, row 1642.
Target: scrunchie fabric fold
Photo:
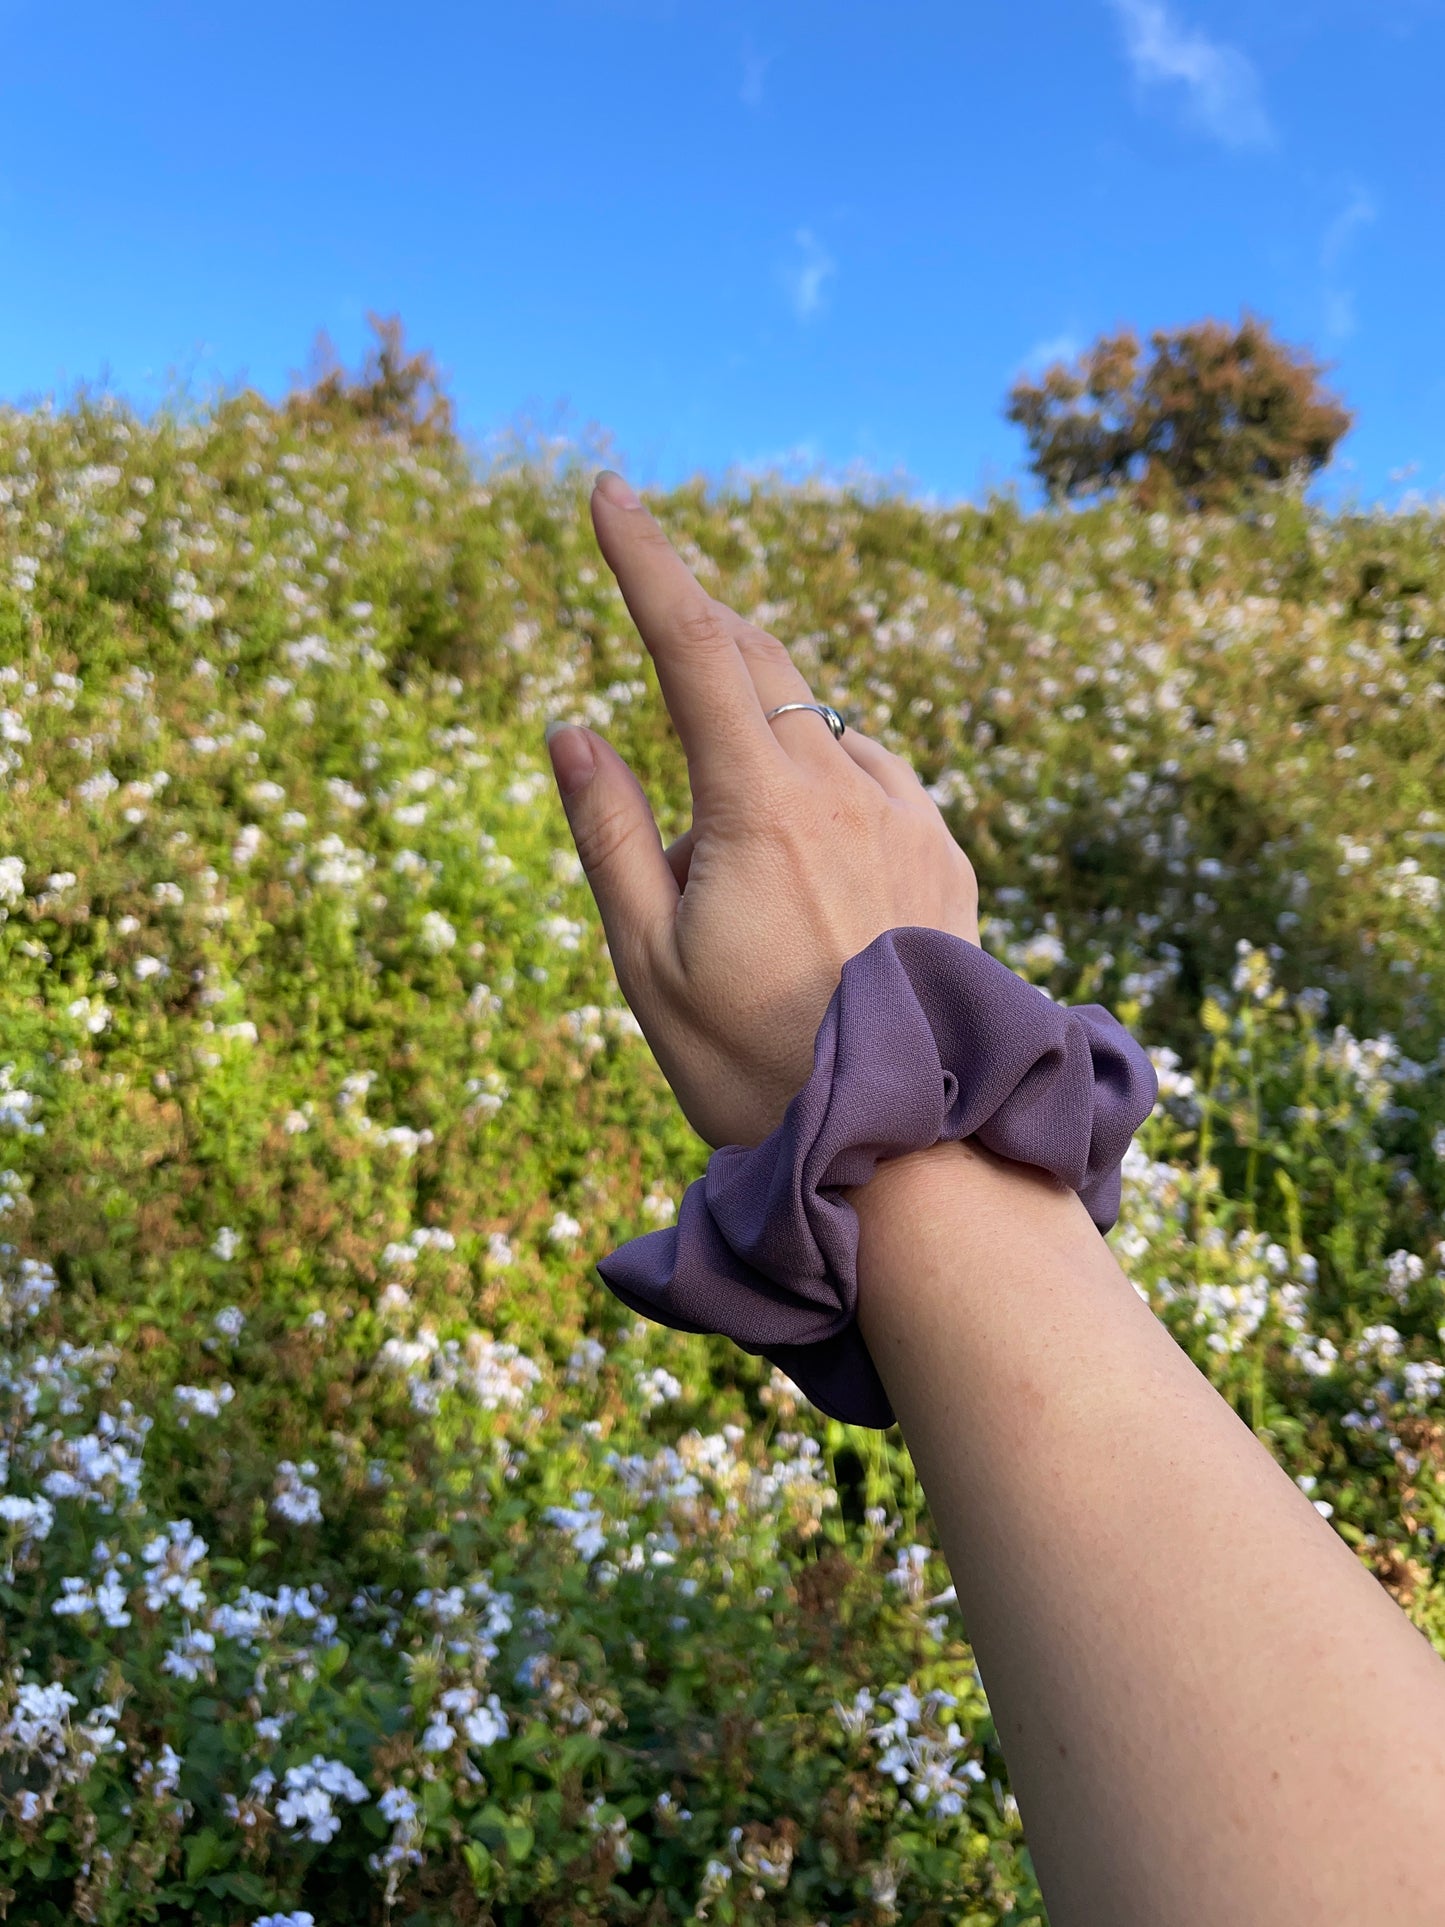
column 926, row 1038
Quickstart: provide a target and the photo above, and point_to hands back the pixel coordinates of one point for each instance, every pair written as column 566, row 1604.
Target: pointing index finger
column 706, row 685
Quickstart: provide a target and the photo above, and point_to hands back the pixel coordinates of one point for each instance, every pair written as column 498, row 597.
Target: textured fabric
column 926, row 1038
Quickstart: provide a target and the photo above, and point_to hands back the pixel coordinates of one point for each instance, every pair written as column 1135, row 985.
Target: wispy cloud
column 1358, row 212
column 1044, row 354
column 798, row 458
column 1222, row 93
column 755, row 67
column 804, row 278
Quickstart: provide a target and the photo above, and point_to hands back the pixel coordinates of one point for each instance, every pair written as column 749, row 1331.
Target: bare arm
column 1213, row 1716
column 1211, row 1713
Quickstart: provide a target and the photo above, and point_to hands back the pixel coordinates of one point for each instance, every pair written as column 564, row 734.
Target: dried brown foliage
column 395, row 391
column 1216, row 412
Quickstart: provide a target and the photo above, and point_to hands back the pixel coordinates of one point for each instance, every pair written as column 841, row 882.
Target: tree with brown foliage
column 1216, row 413
column 395, row 391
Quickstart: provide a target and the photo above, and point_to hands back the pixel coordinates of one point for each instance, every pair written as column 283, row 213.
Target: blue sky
column 813, row 231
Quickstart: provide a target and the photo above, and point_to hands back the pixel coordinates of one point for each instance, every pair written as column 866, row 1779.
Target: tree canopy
column 1213, row 412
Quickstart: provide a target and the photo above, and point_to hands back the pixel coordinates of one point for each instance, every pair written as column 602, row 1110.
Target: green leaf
column 239, row 1884
column 490, row 1824
column 520, row 1840
column 333, row 1659
column 577, row 1750
column 203, row 1852
column 479, row 1865
column 534, row 1738
column 436, row 1802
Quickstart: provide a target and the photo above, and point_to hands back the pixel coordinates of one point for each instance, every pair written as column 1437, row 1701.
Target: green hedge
column 362, row 1559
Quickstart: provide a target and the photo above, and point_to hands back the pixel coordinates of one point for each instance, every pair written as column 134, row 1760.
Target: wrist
column 915, row 1171
column 906, row 1181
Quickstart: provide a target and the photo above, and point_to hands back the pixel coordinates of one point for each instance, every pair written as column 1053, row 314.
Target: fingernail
column 573, row 762
column 611, row 484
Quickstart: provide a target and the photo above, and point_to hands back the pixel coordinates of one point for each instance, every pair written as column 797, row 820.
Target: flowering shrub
column 360, row 1558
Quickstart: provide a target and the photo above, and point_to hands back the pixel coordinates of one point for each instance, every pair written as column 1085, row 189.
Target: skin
column 1212, row 1715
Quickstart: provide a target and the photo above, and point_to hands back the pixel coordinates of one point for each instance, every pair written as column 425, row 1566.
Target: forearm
column 1211, row 1713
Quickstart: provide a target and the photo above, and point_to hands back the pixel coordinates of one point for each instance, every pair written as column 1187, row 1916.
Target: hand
column 729, row 944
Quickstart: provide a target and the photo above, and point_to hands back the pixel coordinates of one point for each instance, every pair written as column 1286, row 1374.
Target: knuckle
column 762, row 647
column 699, row 627
column 603, row 837
column 845, row 809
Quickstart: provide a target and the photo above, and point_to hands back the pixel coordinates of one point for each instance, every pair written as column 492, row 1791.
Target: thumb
column 619, row 844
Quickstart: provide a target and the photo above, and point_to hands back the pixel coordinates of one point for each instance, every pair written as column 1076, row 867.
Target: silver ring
column 825, row 710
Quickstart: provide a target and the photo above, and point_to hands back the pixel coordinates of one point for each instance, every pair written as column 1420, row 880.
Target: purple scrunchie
column 926, row 1037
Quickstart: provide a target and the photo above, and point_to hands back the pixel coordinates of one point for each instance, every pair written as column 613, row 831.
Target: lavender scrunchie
column 926, row 1037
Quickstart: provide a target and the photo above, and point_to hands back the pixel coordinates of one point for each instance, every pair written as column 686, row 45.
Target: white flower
column 305, row 1806
column 294, row 1499
column 436, row 933
column 1403, row 1269
column 308, row 649
column 164, row 1774
column 910, row 1570
column 398, row 1805
column 202, row 1401
column 656, row 1387
column 30, row 1519
column 488, row 1094
column 582, row 1523
column 563, row 1229
column 230, row 1322
column 484, row 1724
column 226, row 1243
column 96, row 788
column 586, row 1359
column 190, row 1656
column 39, row 1720
column 244, row 849
column 1384, row 1340
column 108, row 1599
column 1252, row 974
column 17, row 1106
column 563, row 931
column 169, row 1558
column 1424, row 1382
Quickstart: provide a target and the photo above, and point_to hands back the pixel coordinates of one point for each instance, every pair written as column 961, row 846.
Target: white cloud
column 1339, row 301
column 755, row 67
column 1044, row 354
column 804, row 278
column 1357, row 212
column 798, row 458
column 1222, row 90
